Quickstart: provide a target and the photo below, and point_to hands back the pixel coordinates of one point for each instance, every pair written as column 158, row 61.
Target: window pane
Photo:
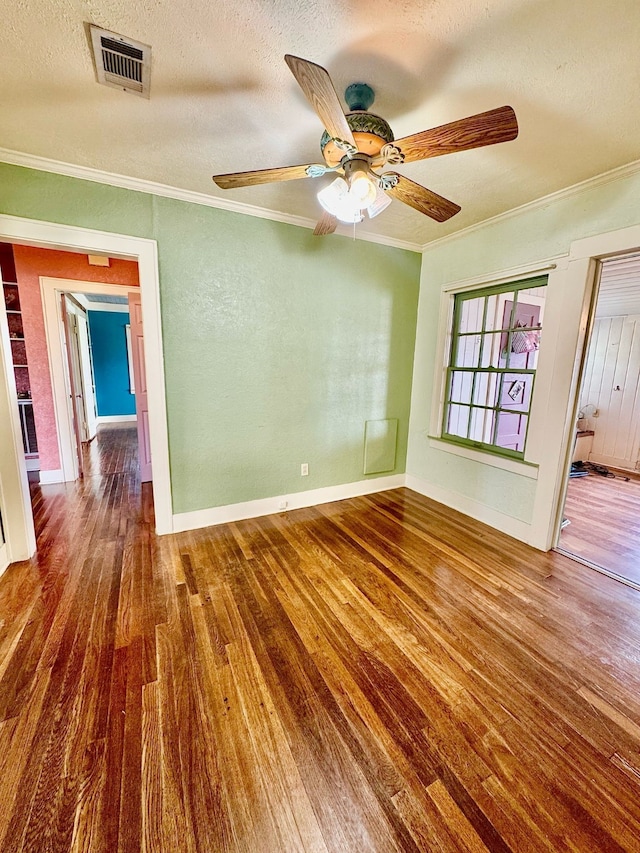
column 461, row 384
column 494, row 315
column 524, row 349
column 529, row 310
column 482, row 421
column 491, row 351
column 458, row 420
column 524, row 322
column 486, row 390
column 516, row 391
column 471, row 315
column 468, row 351
column 512, row 430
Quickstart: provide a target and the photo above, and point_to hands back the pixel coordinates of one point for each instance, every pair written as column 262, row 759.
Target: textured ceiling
column 222, row 98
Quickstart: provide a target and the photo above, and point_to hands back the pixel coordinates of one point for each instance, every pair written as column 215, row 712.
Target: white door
column 74, row 377
column 87, row 378
column 140, row 379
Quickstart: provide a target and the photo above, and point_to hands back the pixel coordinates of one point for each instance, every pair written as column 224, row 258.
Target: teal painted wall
column 110, row 363
column 528, row 238
column 278, row 345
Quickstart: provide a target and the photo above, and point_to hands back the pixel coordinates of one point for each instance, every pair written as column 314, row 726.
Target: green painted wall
column 278, row 345
column 530, row 237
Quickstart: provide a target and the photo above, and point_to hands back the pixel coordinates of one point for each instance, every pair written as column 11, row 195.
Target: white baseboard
column 47, row 478
column 504, row 523
column 269, row 506
column 116, row 419
column 613, row 462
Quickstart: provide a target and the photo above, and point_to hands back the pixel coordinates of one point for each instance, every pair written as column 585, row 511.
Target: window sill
column 515, row 466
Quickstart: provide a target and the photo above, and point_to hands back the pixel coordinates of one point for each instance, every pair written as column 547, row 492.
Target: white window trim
column 525, row 467
column 516, row 466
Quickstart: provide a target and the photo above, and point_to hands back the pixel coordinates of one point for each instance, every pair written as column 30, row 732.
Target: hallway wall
column 110, row 363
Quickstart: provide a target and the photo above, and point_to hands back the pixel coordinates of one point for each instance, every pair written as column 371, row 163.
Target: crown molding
column 86, row 173
column 575, row 189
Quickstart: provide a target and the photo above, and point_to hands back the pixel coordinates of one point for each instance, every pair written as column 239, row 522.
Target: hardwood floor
column 605, row 523
column 379, row 674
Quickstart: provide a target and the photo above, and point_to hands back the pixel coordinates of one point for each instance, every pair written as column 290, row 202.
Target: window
column 491, row 371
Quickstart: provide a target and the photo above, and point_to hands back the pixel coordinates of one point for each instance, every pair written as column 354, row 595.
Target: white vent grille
column 121, row 62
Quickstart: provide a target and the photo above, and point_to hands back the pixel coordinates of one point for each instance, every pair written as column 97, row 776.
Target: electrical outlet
column 304, row 469
column 283, row 504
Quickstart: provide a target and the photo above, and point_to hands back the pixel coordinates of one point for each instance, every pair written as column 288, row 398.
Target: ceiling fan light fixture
column 362, row 184
column 380, row 203
column 331, row 195
column 362, row 189
column 340, row 202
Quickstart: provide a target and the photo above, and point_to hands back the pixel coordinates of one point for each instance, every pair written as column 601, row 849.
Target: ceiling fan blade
column 327, row 224
column 489, row 128
column 316, row 84
column 423, row 200
column 261, row 176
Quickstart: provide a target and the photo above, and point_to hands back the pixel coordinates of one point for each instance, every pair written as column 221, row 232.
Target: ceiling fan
column 356, row 146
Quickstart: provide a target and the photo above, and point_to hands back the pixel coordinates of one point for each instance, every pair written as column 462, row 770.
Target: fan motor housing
column 370, row 132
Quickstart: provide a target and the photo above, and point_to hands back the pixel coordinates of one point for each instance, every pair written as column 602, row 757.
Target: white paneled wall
column 612, row 384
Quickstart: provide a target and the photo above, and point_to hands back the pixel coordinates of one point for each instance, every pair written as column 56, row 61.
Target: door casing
column 14, row 229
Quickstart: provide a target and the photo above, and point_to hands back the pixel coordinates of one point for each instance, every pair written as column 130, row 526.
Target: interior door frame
column 583, row 275
column 51, row 289
column 51, row 235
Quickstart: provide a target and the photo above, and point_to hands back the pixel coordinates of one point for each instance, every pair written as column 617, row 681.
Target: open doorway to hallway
column 74, row 356
column 15, row 500
column 71, row 347
column 104, row 367
column 601, row 520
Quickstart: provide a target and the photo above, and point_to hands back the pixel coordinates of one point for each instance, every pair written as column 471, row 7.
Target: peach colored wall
column 31, row 263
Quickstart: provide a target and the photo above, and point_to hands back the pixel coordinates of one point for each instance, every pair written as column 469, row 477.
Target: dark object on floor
column 603, row 471
column 578, row 470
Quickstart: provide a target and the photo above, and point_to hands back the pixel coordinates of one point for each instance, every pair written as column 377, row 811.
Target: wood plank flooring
column 605, row 523
column 379, row 674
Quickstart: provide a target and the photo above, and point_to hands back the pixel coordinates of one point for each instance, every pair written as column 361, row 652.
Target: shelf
column 21, row 365
column 16, row 339
column 13, row 311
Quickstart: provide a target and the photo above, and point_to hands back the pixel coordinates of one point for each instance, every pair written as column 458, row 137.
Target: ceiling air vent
column 121, row 62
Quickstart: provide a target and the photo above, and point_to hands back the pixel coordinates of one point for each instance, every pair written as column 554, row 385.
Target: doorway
column 601, row 517
column 93, row 382
column 15, row 499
